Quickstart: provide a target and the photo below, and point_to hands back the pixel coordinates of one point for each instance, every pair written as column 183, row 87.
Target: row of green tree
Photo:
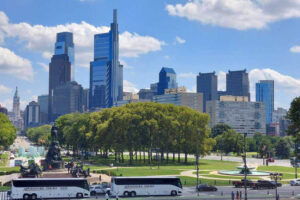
column 8, row 132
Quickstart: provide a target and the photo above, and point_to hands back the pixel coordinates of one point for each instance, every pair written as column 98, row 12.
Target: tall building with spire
column 106, row 72
column 16, row 104
column 15, row 116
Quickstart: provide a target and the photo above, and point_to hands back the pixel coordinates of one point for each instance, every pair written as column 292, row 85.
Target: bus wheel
column 33, row 196
column 79, row 195
column 126, row 194
column 173, row 193
column 133, row 194
column 26, row 196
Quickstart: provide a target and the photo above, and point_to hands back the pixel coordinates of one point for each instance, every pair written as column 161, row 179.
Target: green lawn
column 9, row 170
column 190, row 181
column 143, row 171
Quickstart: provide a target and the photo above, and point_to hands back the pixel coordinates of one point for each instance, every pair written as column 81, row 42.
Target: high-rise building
column 207, row 84
column 43, row 103
column 3, row 110
column 106, row 72
column 279, row 114
column 32, row 115
column 243, row 117
column 61, row 67
column 67, row 98
column 237, row 83
column 191, row 100
column 167, row 80
column 16, row 104
column 85, row 101
column 64, row 45
column 265, row 93
column 15, row 116
column 153, row 88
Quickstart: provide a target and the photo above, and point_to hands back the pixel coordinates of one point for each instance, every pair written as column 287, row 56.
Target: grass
column 4, row 188
column 276, row 169
column 9, row 170
column 144, row 171
column 191, row 181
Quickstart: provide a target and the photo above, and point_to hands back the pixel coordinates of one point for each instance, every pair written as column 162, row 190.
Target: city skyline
column 144, row 50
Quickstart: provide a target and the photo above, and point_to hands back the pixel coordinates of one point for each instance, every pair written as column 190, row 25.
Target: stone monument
column 53, row 158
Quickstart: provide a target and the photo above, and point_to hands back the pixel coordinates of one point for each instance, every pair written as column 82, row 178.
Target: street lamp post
column 197, row 160
column 245, row 167
column 275, row 177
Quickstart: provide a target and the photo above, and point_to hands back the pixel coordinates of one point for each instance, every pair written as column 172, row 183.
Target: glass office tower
column 64, row 45
column 237, row 83
column 167, row 80
column 265, row 93
column 207, row 83
column 106, row 72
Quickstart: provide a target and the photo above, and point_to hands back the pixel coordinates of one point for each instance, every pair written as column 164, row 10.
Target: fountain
column 241, row 171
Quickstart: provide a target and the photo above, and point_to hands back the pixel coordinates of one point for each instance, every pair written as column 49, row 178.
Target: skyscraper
column 207, row 83
column 265, row 93
column 237, row 83
column 16, row 104
column 64, row 45
column 106, row 72
column 32, row 115
column 167, row 80
column 61, row 66
column 43, row 103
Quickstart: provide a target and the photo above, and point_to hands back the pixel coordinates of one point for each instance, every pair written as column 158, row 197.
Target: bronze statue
column 32, row 171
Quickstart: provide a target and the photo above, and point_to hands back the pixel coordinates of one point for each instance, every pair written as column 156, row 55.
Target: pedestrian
column 106, row 196
column 100, row 178
column 241, row 195
column 117, row 196
column 232, row 195
column 237, row 195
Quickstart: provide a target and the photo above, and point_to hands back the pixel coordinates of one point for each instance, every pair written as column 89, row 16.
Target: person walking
column 241, row 195
column 106, row 196
column 237, row 195
column 232, row 195
column 117, row 196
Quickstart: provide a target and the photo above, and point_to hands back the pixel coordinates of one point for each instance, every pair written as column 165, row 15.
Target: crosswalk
column 3, row 196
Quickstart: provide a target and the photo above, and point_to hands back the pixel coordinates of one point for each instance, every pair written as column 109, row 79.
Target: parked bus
column 146, row 186
column 43, row 188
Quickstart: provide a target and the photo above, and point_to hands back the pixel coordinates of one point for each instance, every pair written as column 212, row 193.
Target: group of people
column 238, row 195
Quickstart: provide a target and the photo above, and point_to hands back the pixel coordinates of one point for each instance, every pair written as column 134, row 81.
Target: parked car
column 99, row 189
column 271, row 160
column 295, row 182
column 239, row 184
column 265, row 184
column 205, row 187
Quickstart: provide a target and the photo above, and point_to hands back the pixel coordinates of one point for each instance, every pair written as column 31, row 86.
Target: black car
column 265, row 184
column 205, row 187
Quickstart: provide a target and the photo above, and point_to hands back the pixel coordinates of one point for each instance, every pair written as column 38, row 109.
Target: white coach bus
column 146, row 186
column 43, row 188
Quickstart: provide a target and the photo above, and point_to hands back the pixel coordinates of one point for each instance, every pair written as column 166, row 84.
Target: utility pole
column 275, row 177
column 197, row 160
column 245, row 167
column 296, row 160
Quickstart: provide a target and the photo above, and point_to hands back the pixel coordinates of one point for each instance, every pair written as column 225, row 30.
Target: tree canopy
column 138, row 127
column 8, row 132
column 40, row 135
column 294, row 116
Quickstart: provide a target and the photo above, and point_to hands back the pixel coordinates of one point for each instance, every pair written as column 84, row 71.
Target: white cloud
column 4, row 89
column 167, row 57
column 129, row 87
column 45, row 66
column 237, row 14
column 41, row 39
column 12, row 64
column 179, row 40
column 295, row 49
column 187, row 75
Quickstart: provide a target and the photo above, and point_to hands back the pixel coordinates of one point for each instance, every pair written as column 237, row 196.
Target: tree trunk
column 116, row 156
column 173, row 156
column 122, row 157
column 185, row 157
column 167, row 157
column 178, row 156
column 136, row 155
column 140, row 155
column 144, row 156
column 130, row 157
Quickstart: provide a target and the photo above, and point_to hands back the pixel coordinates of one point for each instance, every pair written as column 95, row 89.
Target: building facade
column 106, row 72
column 43, row 103
column 85, row 101
column 191, row 100
column 243, row 117
column 167, row 80
column 234, row 98
column 32, row 115
column 279, row 114
column 67, row 98
column 237, row 83
column 207, row 84
column 265, row 93
column 15, row 116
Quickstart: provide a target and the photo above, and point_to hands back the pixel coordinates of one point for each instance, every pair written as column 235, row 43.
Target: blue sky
column 193, row 36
